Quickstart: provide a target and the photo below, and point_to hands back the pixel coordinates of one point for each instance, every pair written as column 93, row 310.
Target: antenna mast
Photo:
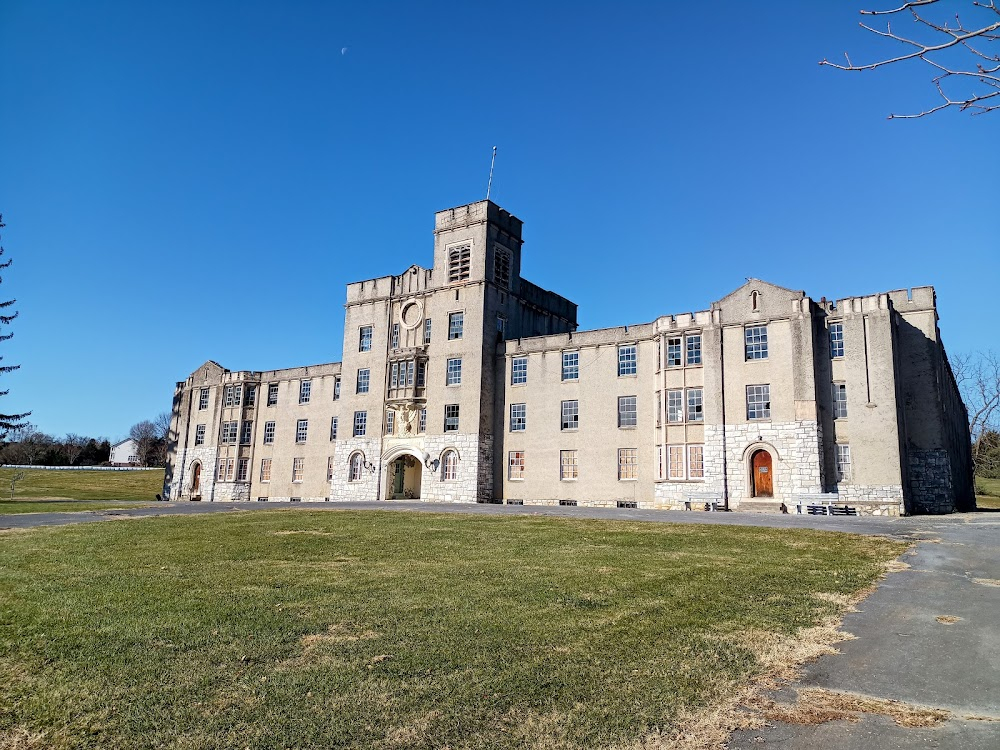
column 489, row 185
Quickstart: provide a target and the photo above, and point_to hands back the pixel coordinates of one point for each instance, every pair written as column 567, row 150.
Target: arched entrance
column 762, row 474
column 403, row 475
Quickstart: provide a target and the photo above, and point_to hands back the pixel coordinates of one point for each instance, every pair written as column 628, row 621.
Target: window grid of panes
column 456, row 324
column 356, row 466
column 265, row 470
column 394, row 339
column 627, row 415
column 298, row 469
column 268, row 433
column 199, row 435
column 360, row 423
column 333, row 428
column 515, row 463
column 675, row 462
column 203, row 399
column 427, row 331
column 422, row 422
column 449, row 471
column 694, row 350
column 568, row 468
column 759, row 401
column 364, row 379
column 390, row 422
column 626, row 360
column 628, row 463
column 305, row 391
column 755, row 338
column 454, row 374
column 694, row 399
column 674, row 352
column 229, row 430
column 675, row 406
column 301, row 430
column 570, row 415
column 840, row 401
column 336, row 388
column 272, row 394
column 246, row 432
column 836, row 339
column 518, row 417
column 844, row 463
column 519, row 370
column 329, row 469
column 451, row 417
column 365, row 339
column 696, row 462
column 242, row 468
column 571, row 366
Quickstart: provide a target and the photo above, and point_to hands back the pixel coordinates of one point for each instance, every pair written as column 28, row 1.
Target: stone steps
column 760, row 506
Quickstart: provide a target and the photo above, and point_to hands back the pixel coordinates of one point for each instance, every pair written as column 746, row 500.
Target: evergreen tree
column 8, row 422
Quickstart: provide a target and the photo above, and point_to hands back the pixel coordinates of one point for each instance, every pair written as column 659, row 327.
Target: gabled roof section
column 758, row 300
column 764, row 287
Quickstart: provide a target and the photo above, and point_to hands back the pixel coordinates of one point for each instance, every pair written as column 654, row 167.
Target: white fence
column 82, row 468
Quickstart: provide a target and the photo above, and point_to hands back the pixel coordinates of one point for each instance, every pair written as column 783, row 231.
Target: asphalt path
column 901, row 650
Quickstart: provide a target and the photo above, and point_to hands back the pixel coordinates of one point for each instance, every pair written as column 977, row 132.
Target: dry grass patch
column 986, row 581
column 948, row 619
column 818, row 706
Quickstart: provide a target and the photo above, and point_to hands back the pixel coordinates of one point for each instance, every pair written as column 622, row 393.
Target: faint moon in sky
column 343, row 50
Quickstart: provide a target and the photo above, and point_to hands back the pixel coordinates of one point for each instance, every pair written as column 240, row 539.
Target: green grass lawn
column 81, row 485
column 395, row 630
column 988, row 493
column 62, row 506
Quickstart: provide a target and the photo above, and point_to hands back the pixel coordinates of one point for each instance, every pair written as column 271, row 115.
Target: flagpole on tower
column 489, row 185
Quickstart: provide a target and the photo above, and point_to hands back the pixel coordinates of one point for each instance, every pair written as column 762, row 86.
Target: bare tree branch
column 957, row 40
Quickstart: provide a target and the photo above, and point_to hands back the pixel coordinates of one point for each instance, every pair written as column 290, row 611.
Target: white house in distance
column 125, row 453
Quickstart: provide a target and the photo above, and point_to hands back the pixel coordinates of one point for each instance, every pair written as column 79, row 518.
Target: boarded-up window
column 459, row 259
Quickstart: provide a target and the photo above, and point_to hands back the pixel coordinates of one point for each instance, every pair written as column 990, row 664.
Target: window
column 390, row 422
column 568, row 468
column 840, row 400
column 199, row 435
column 515, row 463
column 675, row 406
column 836, row 339
column 265, row 470
column 365, row 339
column 233, row 394
column 421, row 374
column 229, row 430
column 758, row 402
column 695, row 413
column 519, row 370
column 696, row 462
column 659, row 462
column 246, row 432
column 459, row 263
column 356, row 466
column 843, row 463
column 449, row 466
column 336, row 388
column 301, row 430
column 675, row 462
column 394, row 339
column 268, row 433
column 364, row 378
column 333, row 428
column 427, row 331
column 694, row 350
column 518, row 417
column 454, row 376
column 305, row 391
column 226, row 469
column 451, row 418
column 422, row 422
column 272, row 394
column 456, row 322
column 628, row 463
column 674, row 352
column 501, row 267
column 570, row 415
column 659, row 408
column 626, row 360
column 571, row 366
column 501, row 325
column 203, row 399
column 360, row 423
column 251, row 399
column 329, row 469
column 298, row 469
column 755, row 338
column 242, row 469
column 626, row 411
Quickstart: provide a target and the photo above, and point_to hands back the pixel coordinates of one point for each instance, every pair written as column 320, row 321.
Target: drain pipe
column 725, row 448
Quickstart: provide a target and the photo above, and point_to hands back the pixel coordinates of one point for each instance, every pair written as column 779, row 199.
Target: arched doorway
column 196, row 479
column 403, row 478
column 762, row 474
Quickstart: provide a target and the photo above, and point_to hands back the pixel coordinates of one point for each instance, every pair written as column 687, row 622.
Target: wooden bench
column 828, row 509
column 843, row 510
column 806, row 500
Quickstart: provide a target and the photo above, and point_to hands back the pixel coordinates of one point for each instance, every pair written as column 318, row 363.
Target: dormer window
column 459, row 263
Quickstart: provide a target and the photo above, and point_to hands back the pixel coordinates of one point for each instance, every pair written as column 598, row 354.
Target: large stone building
column 467, row 383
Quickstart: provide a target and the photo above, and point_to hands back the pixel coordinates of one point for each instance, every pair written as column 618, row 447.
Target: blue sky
column 187, row 181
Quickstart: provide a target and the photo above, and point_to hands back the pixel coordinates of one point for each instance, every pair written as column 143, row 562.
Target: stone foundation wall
column 475, row 458
column 367, row 487
column 673, row 495
column 931, row 488
column 872, row 500
column 180, row 484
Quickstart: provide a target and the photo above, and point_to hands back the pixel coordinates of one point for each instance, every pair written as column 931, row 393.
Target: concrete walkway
column 902, row 652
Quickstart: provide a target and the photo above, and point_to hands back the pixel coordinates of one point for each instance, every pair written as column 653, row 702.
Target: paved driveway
column 902, row 651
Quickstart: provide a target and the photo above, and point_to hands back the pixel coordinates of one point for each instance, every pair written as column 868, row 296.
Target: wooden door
column 762, row 473
column 196, row 480
column 397, row 478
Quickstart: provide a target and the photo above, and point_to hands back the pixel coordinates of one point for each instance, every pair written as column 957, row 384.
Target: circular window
column 412, row 313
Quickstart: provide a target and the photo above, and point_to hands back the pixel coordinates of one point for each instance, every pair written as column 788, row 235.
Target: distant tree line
column 26, row 445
